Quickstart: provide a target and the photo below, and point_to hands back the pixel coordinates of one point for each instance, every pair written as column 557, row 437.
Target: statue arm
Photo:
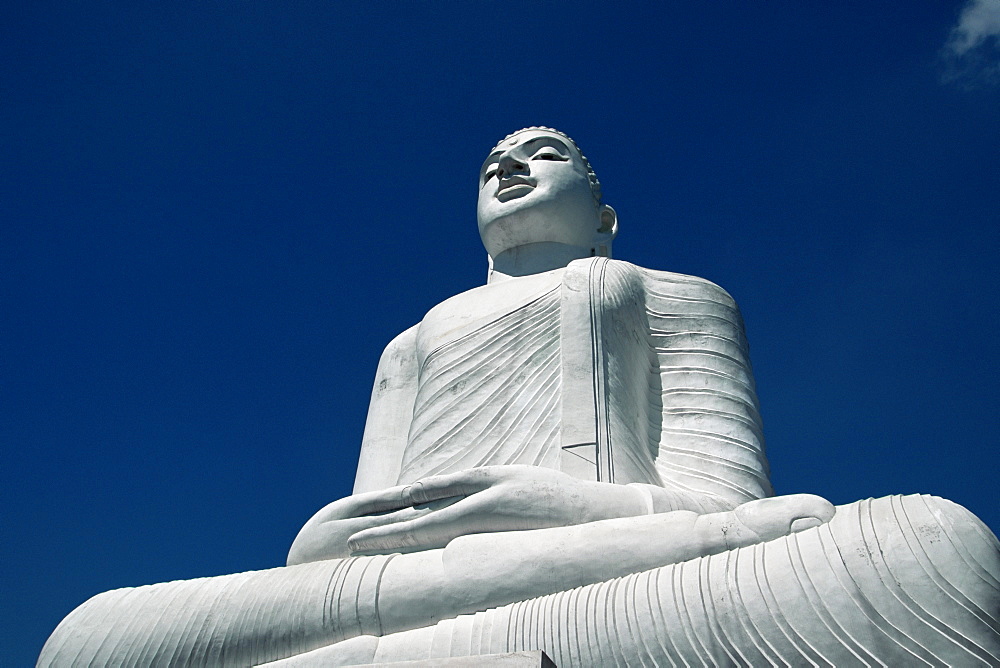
column 710, row 455
column 376, row 500
column 389, row 415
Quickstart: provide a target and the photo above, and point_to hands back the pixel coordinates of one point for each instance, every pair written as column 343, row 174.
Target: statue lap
column 897, row 580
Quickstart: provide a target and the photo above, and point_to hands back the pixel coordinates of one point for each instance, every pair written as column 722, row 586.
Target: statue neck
column 534, row 258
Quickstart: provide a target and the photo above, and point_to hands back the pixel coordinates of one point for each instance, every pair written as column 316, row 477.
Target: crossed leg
column 253, row 618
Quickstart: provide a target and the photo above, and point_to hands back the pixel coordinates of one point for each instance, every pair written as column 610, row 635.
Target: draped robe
column 618, row 374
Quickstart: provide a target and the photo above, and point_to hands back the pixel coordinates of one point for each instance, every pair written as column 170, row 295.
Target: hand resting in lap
column 432, row 512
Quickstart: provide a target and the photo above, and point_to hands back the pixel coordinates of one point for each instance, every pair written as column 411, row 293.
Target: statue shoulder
column 693, row 287
column 654, row 281
column 405, row 338
column 401, row 348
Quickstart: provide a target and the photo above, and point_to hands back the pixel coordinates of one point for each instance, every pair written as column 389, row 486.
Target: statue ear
column 609, row 223
column 607, row 232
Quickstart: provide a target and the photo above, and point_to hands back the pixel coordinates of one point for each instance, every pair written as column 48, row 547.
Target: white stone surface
column 570, row 459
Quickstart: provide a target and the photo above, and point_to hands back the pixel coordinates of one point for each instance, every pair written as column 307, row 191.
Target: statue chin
column 508, row 235
column 573, row 462
column 544, row 223
column 538, row 257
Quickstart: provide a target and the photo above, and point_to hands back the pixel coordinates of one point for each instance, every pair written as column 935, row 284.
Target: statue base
column 532, row 659
column 536, row 659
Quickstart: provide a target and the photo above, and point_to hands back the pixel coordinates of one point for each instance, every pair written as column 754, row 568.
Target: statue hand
column 496, row 498
column 326, row 533
column 763, row 520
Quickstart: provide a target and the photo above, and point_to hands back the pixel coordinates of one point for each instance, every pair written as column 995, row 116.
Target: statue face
column 534, row 188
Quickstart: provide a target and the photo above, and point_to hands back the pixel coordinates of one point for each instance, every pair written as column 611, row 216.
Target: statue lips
column 515, row 186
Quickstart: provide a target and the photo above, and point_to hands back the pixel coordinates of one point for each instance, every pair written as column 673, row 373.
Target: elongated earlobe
column 609, row 221
column 607, row 232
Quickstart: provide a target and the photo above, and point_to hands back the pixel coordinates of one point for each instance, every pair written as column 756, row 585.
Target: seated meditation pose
column 570, row 459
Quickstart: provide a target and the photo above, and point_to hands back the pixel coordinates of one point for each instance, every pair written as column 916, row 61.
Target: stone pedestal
column 535, row 659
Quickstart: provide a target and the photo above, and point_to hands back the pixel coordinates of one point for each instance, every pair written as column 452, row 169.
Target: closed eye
column 549, row 156
column 489, row 175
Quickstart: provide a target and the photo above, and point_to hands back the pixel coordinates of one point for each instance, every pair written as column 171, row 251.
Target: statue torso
column 648, row 367
column 471, row 310
column 488, row 379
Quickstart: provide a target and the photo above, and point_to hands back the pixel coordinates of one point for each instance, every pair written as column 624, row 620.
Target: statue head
column 536, row 186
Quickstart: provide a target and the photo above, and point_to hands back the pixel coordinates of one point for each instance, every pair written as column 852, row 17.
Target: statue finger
column 381, row 501
column 395, row 537
column 395, row 517
column 463, row 483
column 780, row 515
column 432, row 530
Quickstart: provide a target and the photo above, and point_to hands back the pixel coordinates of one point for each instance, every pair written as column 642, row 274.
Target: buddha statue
column 570, row 458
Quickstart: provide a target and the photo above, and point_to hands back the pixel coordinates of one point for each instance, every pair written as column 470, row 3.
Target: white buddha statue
column 570, row 459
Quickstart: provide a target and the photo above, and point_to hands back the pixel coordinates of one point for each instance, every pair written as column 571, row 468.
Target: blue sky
column 213, row 216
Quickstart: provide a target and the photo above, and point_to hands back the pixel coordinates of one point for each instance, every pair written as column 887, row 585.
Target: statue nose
column 509, row 166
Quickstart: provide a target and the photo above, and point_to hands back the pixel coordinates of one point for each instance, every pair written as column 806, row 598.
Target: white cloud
column 980, row 21
column 972, row 54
